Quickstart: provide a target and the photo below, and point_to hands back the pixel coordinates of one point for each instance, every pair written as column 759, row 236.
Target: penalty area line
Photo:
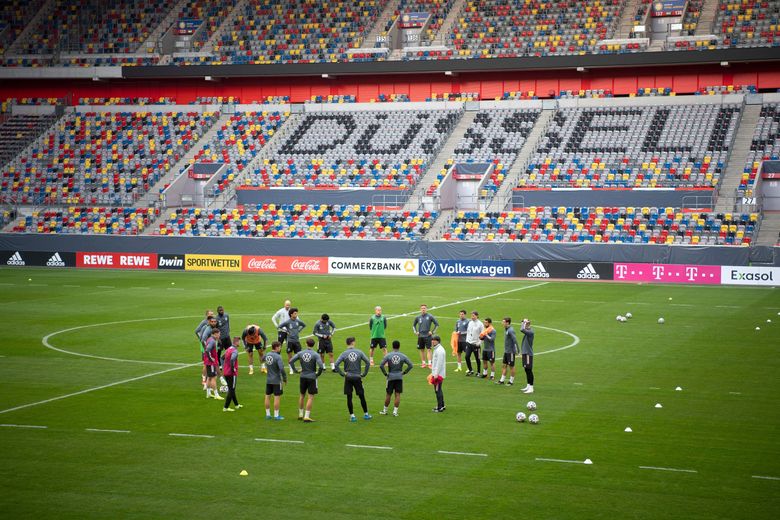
column 763, row 477
column 443, row 452
column 32, row 426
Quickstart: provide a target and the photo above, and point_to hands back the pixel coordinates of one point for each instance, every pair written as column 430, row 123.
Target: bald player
column 280, row 317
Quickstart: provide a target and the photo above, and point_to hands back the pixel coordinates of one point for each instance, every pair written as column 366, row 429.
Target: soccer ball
column 531, row 405
column 533, row 419
column 520, row 417
column 661, row 321
column 629, row 315
column 619, row 317
column 223, row 389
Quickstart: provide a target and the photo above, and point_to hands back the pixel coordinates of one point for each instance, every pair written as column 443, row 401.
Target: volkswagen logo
column 428, row 268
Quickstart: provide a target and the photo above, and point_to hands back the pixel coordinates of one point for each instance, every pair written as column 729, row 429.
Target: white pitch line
column 174, row 288
column 368, row 447
column 354, row 294
column 72, row 286
column 139, row 287
column 286, row 441
column 195, row 435
column 681, row 305
column 244, row 290
column 542, row 459
column 7, row 284
column 106, row 287
column 462, row 453
column 32, row 426
column 37, row 285
column 210, row 290
column 762, row 477
column 579, row 384
column 654, row 388
column 389, row 295
column 669, row 469
column 735, row 393
column 80, row 392
column 728, row 306
column 107, row 431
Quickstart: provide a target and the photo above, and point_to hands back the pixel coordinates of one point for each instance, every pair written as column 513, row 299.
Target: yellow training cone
column 243, row 473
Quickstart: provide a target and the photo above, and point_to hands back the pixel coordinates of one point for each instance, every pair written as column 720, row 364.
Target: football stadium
column 390, row 258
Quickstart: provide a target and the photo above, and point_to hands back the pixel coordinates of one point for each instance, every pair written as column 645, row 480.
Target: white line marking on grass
column 390, row 295
column 210, row 290
column 72, row 286
column 728, row 306
column 106, row 287
column 462, row 453
column 669, row 469
column 196, row 435
column 681, row 305
column 762, row 477
column 106, row 431
column 286, row 441
column 592, row 301
column 353, row 294
column 553, row 301
column 735, row 393
column 244, row 290
column 542, row 459
column 37, row 285
column 368, row 447
column 654, row 388
column 579, row 384
column 33, row 426
column 174, row 288
column 139, row 287
column 7, row 284
column 109, row 385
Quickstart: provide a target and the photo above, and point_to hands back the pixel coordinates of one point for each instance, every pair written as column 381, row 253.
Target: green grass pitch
column 722, row 429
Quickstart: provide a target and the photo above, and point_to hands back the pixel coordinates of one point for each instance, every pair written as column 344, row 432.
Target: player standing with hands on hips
column 395, row 363
column 527, row 353
column 423, row 327
column 311, row 368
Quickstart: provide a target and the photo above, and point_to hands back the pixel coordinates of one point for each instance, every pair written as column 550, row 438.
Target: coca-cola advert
column 284, row 264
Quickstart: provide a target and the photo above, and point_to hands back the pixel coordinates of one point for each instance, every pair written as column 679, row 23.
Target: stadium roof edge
column 553, row 63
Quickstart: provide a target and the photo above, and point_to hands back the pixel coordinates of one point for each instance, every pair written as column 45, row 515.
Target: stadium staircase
column 769, row 230
column 626, row 21
column 452, row 18
column 504, row 195
column 226, row 198
column 707, row 17
column 225, row 26
column 153, row 195
column 441, row 225
column 370, row 40
column 45, row 10
column 740, row 148
column 173, row 15
column 438, row 163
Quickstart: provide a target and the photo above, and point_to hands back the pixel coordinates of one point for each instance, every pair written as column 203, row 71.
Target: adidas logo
column 588, row 273
column 16, row 259
column 55, row 261
column 538, row 271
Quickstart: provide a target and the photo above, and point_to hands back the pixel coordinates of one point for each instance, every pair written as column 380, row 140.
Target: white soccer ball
column 533, row 419
column 531, row 405
column 520, row 417
column 661, row 321
column 223, row 389
column 629, row 315
column 619, row 317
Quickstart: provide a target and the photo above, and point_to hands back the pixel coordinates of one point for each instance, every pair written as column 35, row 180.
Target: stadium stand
column 238, row 141
column 647, row 225
column 17, row 131
column 439, row 9
column 748, row 23
column 493, row 29
column 95, row 27
column 209, row 12
column 374, row 149
column 102, row 158
column 14, row 17
column 126, row 101
column 641, row 146
column 87, row 220
column 765, row 146
column 298, row 31
column 301, row 221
